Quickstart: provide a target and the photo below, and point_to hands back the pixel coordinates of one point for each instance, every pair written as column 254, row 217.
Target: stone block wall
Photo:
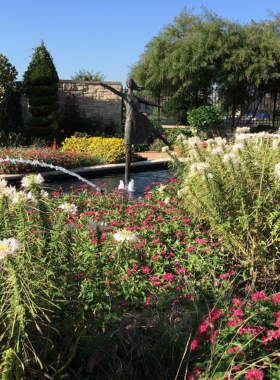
column 93, row 100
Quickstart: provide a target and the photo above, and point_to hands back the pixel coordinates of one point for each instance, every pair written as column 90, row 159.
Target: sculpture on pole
column 137, row 126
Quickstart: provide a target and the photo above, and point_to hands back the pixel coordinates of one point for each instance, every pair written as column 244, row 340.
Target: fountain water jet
column 44, row 165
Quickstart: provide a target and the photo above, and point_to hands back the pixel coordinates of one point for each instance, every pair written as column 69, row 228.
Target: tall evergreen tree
column 41, row 85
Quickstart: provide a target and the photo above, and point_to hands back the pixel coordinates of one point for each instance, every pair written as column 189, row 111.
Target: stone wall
column 93, row 100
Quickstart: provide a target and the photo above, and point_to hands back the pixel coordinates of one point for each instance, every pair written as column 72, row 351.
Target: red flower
column 276, row 298
column 215, row 314
column 255, row 374
column 258, row 295
column 194, row 343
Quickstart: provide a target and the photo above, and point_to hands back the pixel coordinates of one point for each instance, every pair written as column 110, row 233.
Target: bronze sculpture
column 137, row 126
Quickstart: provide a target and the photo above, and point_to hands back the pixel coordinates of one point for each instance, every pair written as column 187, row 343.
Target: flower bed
column 49, row 156
column 112, row 149
column 112, row 286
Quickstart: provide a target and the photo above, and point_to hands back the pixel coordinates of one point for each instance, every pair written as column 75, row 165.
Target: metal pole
column 274, row 108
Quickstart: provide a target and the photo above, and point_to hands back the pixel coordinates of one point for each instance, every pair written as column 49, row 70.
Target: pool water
column 111, row 181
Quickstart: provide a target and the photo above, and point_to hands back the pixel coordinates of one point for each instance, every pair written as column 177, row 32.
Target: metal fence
column 264, row 111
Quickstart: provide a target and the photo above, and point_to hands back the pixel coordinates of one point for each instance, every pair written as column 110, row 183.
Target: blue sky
column 102, row 35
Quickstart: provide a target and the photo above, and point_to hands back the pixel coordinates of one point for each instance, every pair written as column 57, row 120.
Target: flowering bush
column 49, row 156
column 112, row 149
column 235, row 189
column 87, row 276
column 240, row 341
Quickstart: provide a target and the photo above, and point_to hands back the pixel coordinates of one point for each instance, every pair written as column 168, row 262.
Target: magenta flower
column 258, row 295
column 146, row 270
column 194, row 343
column 276, row 298
column 254, row 374
column 168, row 277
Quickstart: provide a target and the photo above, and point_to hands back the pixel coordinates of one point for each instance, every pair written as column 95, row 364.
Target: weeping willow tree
column 199, row 53
column 41, row 85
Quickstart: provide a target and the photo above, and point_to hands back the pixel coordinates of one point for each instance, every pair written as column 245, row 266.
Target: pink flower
column 237, row 302
column 278, row 314
column 234, row 321
column 190, row 249
column 204, row 326
column 237, row 312
column 276, row 298
column 213, row 335
column 168, row 277
column 215, row 314
column 255, row 374
column 181, row 270
column 146, row 270
column 233, row 349
column 194, row 343
column 258, row 295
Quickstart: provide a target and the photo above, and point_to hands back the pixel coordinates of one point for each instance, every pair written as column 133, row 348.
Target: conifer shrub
column 41, row 88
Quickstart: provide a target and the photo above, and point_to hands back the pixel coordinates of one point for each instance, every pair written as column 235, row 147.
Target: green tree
column 197, row 53
column 88, row 75
column 41, row 85
column 10, row 108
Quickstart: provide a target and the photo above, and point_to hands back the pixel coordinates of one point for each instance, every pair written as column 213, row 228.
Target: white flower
column 166, row 201
column 103, row 226
column 216, row 150
column 8, row 246
column 236, row 147
column 165, row 148
column 275, row 143
column 242, row 137
column 44, row 193
column 183, row 190
column 242, row 130
column 193, row 141
column 25, row 182
column 220, row 141
column 69, row 208
column 30, row 196
column 161, row 188
column 9, row 190
column 124, row 235
column 3, row 183
column 20, row 196
column 180, row 137
column 38, row 179
column 277, row 169
column 228, row 156
column 199, row 167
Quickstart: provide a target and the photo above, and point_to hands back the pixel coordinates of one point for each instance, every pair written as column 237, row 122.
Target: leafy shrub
column 112, row 149
column 10, row 107
column 235, row 189
column 204, row 118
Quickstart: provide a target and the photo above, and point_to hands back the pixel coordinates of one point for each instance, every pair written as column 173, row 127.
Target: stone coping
column 135, row 166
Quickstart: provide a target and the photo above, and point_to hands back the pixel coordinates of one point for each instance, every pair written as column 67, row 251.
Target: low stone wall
column 93, row 100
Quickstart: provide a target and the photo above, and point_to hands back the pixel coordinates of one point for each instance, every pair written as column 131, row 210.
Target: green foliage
column 10, row 107
column 88, row 75
column 41, row 84
column 196, row 53
column 204, row 118
column 235, row 189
